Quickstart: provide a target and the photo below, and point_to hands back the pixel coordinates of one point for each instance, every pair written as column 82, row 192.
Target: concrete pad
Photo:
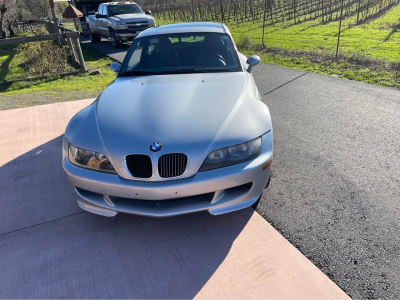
column 50, row 249
column 30, row 163
column 237, row 255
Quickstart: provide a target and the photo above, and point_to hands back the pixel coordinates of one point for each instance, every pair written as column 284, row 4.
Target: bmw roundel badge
column 155, row 147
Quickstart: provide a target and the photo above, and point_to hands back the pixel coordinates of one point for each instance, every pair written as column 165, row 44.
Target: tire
column 94, row 38
column 254, row 206
column 116, row 44
column 268, row 182
column 86, row 33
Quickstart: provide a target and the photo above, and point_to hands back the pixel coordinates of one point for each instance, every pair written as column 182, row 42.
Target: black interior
column 172, row 51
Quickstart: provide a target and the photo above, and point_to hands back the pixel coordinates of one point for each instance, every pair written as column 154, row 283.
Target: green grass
column 69, row 25
column 327, row 65
column 12, row 64
column 375, row 44
column 377, row 39
column 82, row 82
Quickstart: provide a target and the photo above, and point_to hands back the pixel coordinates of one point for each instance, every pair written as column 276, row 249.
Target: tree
column 38, row 8
column 10, row 18
column 8, row 14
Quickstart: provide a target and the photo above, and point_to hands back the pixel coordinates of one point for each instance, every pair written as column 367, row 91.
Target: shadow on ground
column 49, row 248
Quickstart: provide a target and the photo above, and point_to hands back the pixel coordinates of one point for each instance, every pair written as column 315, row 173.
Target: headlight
column 232, row 155
column 152, row 23
column 121, row 25
column 90, row 159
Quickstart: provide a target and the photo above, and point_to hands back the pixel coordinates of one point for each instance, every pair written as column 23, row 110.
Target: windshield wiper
column 136, row 73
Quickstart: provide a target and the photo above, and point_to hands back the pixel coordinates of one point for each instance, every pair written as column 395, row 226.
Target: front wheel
column 114, row 40
column 254, row 206
column 94, row 38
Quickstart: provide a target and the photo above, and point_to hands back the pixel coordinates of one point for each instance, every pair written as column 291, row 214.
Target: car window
column 183, row 52
column 100, row 11
column 135, row 58
column 124, row 9
column 88, row 9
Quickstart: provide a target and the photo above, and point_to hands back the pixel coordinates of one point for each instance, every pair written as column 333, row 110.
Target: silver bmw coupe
column 182, row 129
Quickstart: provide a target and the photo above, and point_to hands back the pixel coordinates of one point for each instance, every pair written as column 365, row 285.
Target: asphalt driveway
column 335, row 191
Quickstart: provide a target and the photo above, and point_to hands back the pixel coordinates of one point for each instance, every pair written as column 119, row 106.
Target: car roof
column 188, row 27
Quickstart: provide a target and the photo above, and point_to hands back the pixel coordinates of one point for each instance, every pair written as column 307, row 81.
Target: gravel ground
column 335, row 190
column 40, row 98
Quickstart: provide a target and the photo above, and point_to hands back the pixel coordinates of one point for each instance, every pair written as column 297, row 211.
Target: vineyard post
column 201, row 16
column 192, row 9
column 265, row 9
column 340, row 28
column 294, row 11
column 222, row 11
column 358, row 11
column 270, row 7
column 366, row 15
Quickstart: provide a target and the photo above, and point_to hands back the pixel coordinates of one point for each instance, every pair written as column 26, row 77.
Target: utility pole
column 193, row 11
column 340, row 28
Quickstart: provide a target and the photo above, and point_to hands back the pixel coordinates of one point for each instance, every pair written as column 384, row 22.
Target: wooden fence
column 46, row 63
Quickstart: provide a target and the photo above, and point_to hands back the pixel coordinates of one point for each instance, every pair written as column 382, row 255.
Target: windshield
column 181, row 53
column 114, row 10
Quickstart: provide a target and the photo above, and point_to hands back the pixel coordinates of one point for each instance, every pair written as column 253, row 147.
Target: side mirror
column 148, row 12
column 253, row 61
column 115, row 67
column 98, row 16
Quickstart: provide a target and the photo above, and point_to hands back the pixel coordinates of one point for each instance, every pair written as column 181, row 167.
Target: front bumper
column 123, row 35
column 216, row 191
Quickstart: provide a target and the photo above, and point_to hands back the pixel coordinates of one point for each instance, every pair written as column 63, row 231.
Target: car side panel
column 106, row 24
column 91, row 22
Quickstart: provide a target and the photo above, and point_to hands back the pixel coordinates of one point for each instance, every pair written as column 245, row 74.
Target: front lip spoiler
column 97, row 210
column 215, row 203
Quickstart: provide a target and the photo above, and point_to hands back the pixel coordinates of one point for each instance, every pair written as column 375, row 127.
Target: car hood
column 192, row 114
column 132, row 18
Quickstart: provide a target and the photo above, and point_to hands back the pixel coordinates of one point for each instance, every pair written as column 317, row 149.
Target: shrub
column 45, row 58
column 246, row 43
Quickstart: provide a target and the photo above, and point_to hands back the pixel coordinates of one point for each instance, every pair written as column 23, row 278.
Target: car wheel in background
column 114, row 40
column 94, row 38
